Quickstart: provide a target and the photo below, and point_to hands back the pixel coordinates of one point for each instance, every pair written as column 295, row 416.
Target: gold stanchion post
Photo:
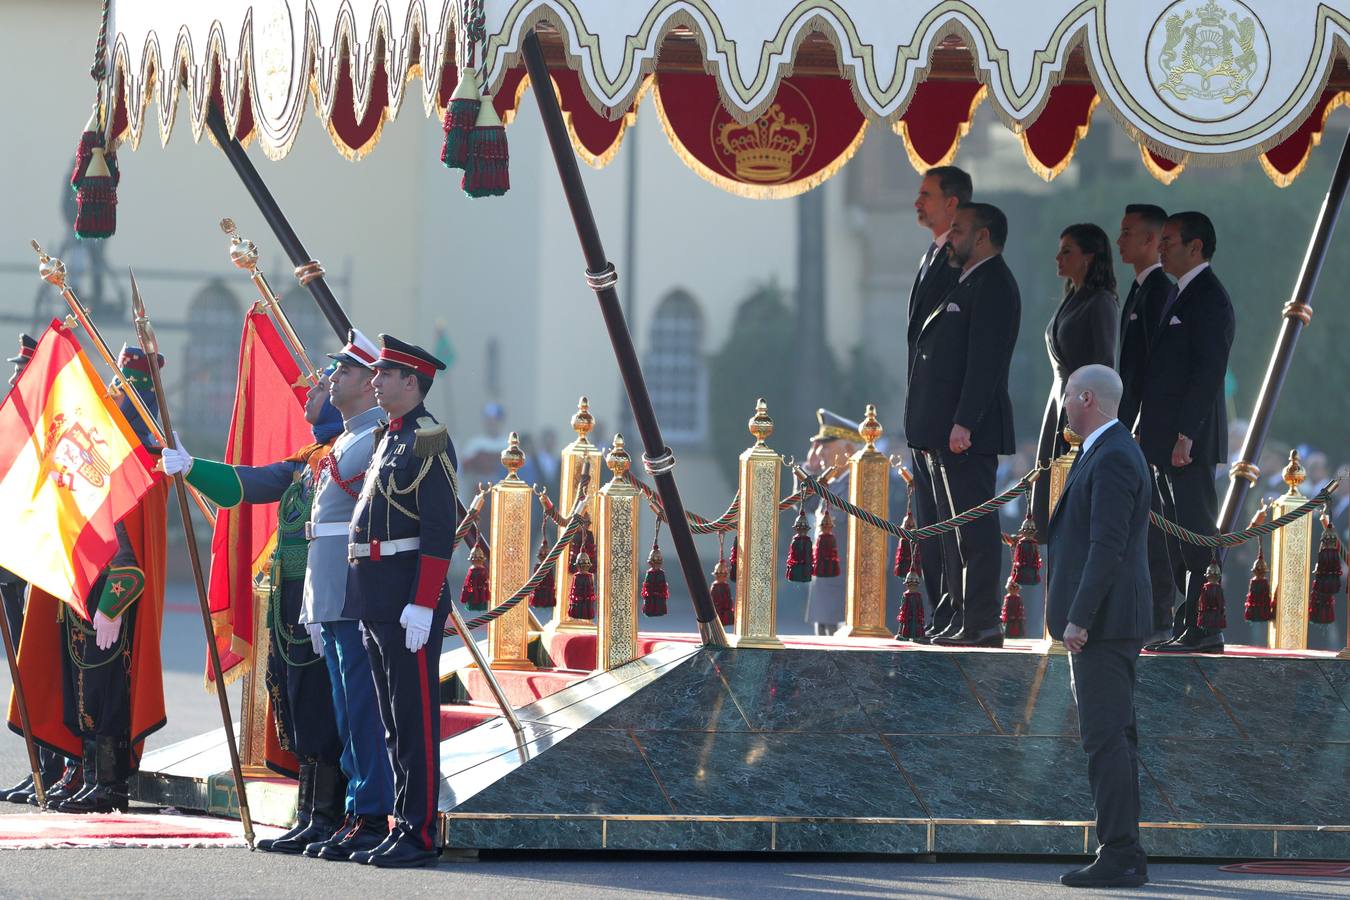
column 1053, row 645
column 869, row 489
column 253, row 702
column 616, row 573
column 578, row 457
column 757, row 540
column 512, row 499
column 1291, row 551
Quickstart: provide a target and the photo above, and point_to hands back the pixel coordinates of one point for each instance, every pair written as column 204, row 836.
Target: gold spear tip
column 227, row 226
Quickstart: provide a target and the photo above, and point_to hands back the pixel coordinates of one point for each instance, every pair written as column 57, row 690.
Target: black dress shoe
column 19, row 792
column 1102, row 874
column 365, row 856
column 406, row 854
column 993, row 638
column 1193, row 640
column 366, row 833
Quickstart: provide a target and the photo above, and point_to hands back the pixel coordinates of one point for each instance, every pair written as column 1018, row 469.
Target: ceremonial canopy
column 766, row 98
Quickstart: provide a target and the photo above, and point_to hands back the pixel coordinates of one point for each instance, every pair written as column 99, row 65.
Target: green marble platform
column 905, row 751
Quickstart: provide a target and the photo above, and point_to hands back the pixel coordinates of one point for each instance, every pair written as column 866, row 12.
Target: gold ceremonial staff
column 145, row 333
column 244, row 254
column 53, row 271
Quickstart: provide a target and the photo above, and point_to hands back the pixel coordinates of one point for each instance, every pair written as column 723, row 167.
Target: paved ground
column 210, row 873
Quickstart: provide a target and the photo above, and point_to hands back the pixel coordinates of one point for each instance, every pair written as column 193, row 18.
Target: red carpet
column 46, row 830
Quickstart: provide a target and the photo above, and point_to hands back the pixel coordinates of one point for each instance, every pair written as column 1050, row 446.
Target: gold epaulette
column 430, row 439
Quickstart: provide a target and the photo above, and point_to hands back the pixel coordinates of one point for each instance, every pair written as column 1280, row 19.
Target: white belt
column 377, row 550
column 325, row 529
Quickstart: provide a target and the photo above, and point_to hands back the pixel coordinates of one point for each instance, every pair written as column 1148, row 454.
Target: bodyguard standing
column 1099, row 599
column 1183, row 423
column 401, row 538
column 958, row 418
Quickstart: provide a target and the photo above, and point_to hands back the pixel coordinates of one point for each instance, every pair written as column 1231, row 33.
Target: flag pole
column 12, row 656
column 145, row 333
column 53, row 271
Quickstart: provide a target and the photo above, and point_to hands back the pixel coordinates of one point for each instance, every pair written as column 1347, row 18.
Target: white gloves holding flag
column 106, row 630
column 175, row 460
column 315, row 637
column 416, row 622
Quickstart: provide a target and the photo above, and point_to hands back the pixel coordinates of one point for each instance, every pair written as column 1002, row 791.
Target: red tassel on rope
column 1211, row 612
column 460, row 115
column 655, row 589
column 582, row 542
column 1326, row 583
column 91, row 138
column 825, row 558
column 910, row 619
column 487, row 169
column 1014, row 616
column 799, row 561
column 476, row 592
column 545, row 594
column 904, row 551
column 731, row 563
column 1260, row 606
column 722, row 600
column 96, row 199
column 1026, row 566
column 581, row 598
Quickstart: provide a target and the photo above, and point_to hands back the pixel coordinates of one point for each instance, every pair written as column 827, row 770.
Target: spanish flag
column 71, row 467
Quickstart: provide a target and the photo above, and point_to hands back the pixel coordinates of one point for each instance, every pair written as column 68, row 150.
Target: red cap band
column 408, row 361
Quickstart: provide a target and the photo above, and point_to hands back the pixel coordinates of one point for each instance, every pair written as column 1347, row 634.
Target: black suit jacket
column 926, row 293
column 1182, row 386
column 1138, row 324
column 1081, row 333
column 959, row 370
column 1097, row 558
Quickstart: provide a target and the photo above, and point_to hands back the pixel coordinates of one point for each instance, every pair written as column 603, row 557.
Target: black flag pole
column 145, row 334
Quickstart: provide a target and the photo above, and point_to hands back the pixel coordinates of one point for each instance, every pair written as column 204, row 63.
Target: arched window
column 209, row 373
column 676, row 371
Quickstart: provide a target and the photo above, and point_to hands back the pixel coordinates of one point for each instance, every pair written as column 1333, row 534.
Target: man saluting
column 402, row 535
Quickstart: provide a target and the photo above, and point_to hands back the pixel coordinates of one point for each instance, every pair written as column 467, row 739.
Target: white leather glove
column 175, row 460
column 106, row 630
column 315, row 637
column 416, row 622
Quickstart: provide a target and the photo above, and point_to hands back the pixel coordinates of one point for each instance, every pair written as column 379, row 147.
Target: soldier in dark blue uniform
column 402, row 535
column 298, row 682
column 50, row 763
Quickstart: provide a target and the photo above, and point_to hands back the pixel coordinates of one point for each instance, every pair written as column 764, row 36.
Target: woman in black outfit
column 1082, row 332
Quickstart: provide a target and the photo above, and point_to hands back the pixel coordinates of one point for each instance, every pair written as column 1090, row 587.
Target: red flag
column 70, row 468
column 267, row 424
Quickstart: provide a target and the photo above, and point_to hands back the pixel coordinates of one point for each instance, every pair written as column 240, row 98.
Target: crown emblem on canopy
column 1213, row 56
column 763, row 150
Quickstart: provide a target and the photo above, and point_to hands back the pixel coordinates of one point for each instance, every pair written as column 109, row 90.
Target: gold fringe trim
column 921, row 165
column 1049, row 173
column 1158, row 172
column 594, row 160
column 1282, row 179
column 754, row 191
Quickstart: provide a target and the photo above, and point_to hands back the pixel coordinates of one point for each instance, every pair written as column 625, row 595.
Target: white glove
column 416, row 622
column 316, row 637
column 106, row 630
column 175, row 460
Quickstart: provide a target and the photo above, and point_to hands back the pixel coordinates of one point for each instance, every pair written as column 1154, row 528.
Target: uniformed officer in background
column 402, row 536
column 834, row 442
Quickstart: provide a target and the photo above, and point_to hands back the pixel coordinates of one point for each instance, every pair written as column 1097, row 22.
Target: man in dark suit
column 1099, row 598
column 1183, row 424
column 941, row 191
column 958, row 417
column 1140, row 235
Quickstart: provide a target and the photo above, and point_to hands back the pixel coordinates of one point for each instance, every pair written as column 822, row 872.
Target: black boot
column 72, row 780
column 304, row 810
column 367, row 833
column 50, row 765
column 109, row 792
column 330, row 798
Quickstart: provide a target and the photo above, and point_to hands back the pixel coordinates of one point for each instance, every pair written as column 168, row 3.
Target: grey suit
column 326, row 573
column 1099, row 580
column 825, row 597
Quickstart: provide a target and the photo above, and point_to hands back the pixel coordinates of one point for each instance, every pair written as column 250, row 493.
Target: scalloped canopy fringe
column 779, row 122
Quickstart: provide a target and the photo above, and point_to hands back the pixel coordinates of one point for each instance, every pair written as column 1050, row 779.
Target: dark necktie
column 927, row 260
column 1172, row 293
column 1129, row 300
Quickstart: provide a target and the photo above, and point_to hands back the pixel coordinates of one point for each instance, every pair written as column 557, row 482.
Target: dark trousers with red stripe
column 407, row 686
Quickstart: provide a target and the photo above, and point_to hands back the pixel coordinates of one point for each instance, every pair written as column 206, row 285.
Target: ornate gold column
column 868, row 488
column 576, row 457
column 1053, row 644
column 1291, row 552
column 509, row 636
column 757, row 541
column 616, row 572
column 253, row 707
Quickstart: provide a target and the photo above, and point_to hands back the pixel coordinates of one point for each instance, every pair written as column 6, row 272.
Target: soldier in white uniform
column 833, row 443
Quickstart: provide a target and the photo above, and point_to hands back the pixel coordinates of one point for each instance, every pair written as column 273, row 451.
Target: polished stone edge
column 687, row 836
column 1037, row 839
column 850, row 837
